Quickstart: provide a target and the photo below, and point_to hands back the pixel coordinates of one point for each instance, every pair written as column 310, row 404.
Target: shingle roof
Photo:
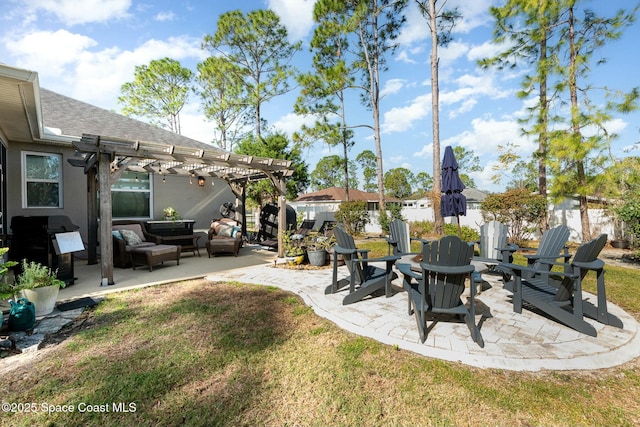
column 74, row 118
column 337, row 194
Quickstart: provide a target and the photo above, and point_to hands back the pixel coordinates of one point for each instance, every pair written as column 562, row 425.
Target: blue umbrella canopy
column 453, row 202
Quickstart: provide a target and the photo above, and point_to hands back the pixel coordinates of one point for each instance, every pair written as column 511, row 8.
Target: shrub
column 467, row 233
column 521, row 210
column 353, row 215
column 421, row 229
column 395, row 212
column 629, row 212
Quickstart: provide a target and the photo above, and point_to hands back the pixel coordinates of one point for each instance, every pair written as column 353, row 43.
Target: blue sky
column 87, row 49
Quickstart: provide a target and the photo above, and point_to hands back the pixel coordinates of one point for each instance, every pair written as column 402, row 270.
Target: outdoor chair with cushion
column 437, row 289
column 364, row 279
column 224, row 236
column 127, row 235
column 559, row 293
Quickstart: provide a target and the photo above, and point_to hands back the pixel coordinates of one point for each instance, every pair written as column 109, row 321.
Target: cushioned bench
column 152, row 255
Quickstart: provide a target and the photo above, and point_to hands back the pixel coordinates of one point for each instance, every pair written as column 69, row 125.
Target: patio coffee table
column 152, row 255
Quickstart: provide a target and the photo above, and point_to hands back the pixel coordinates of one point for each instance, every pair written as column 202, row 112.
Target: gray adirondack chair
column 493, row 248
column 364, row 279
column 553, row 246
column 437, row 289
column 559, row 294
column 399, row 240
column 493, row 245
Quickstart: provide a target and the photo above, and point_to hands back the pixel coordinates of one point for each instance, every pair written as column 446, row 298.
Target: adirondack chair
column 364, row 279
column 399, row 240
column 493, row 246
column 552, row 247
column 559, row 294
column 437, row 289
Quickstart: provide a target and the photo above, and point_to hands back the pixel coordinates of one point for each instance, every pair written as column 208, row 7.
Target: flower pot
column 620, row 243
column 295, row 260
column 318, row 257
column 44, row 299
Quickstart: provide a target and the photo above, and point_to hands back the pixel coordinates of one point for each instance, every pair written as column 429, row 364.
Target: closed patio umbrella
column 453, row 202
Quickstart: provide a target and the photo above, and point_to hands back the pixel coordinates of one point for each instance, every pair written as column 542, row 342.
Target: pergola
column 106, row 158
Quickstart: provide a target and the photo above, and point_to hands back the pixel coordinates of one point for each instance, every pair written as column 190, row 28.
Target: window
column 41, row 180
column 131, row 196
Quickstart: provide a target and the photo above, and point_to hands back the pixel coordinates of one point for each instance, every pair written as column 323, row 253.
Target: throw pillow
column 116, row 234
column 225, row 230
column 235, row 231
column 130, row 237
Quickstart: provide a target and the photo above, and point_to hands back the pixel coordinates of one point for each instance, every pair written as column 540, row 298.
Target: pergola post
column 282, row 215
column 106, row 243
column 92, row 215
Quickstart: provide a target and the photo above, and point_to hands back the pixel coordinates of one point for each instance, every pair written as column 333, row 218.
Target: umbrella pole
column 459, row 228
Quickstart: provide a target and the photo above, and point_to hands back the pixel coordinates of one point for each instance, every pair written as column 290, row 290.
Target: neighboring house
column 40, row 132
column 324, row 203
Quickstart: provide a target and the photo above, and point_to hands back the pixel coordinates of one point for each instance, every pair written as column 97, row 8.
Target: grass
column 203, row 354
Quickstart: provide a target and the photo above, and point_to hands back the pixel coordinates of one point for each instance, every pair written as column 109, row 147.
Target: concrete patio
column 527, row 341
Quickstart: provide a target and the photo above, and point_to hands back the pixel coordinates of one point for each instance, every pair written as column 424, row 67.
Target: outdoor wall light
column 201, row 181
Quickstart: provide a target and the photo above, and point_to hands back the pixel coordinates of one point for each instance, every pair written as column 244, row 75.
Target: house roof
column 474, row 195
column 337, row 194
column 68, row 116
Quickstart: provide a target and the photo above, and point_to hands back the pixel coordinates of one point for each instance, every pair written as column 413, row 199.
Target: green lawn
column 229, row 354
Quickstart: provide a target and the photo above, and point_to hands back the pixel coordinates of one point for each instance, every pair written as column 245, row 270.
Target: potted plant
column 6, row 290
column 170, row 214
column 317, row 249
column 293, row 248
column 39, row 284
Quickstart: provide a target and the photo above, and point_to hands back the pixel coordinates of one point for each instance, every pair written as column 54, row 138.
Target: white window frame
column 25, row 180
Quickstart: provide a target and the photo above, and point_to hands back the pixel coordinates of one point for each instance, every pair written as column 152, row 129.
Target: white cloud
column 165, row 16
column 485, row 50
column 453, row 51
column 487, row 134
column 464, row 108
column 48, row 50
column 426, row 152
column 392, row 86
column 73, row 12
column 291, row 123
column 68, row 64
column 404, row 57
column 474, row 14
column 194, row 125
column 415, row 28
column 400, row 119
column 296, row 15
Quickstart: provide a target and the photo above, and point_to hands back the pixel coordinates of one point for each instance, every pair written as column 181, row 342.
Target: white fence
column 600, row 222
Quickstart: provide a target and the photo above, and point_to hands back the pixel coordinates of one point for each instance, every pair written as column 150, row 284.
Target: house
column 324, row 203
column 58, row 153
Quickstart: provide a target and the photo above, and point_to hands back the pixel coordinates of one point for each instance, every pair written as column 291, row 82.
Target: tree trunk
column 435, row 103
column 575, row 122
column 544, row 120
